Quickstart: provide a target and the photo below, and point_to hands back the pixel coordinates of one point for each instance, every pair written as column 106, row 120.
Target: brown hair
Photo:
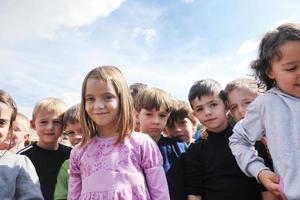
column 71, row 116
column 249, row 84
column 8, row 100
column 269, row 49
column 182, row 110
column 125, row 123
column 153, row 98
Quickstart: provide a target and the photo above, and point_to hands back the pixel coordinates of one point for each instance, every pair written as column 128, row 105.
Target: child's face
column 5, row 117
column 74, row 133
column 153, row 122
column 286, row 71
column 102, row 105
column 211, row 112
column 21, row 129
column 238, row 101
column 48, row 127
column 183, row 129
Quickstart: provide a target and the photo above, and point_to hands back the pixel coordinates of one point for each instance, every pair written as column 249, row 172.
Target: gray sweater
column 18, row 178
column 277, row 115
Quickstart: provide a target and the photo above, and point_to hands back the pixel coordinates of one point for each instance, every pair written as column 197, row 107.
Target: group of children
column 143, row 146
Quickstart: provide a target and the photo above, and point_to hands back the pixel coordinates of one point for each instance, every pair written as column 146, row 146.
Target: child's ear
column 269, row 73
column 32, row 124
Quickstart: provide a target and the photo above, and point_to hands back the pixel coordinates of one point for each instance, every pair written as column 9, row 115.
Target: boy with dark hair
column 211, row 171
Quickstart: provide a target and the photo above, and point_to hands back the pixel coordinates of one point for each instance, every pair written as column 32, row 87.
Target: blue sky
column 48, row 46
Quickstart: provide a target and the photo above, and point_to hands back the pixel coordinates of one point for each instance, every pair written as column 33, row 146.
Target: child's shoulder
column 28, row 149
column 139, row 136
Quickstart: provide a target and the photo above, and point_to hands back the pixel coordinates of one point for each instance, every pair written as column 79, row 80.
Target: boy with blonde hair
column 47, row 155
column 72, row 128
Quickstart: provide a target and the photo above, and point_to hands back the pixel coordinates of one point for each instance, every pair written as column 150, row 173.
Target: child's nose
column 99, row 104
column 207, row 111
column 155, row 120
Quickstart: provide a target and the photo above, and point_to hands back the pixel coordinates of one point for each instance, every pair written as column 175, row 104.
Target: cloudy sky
column 48, row 46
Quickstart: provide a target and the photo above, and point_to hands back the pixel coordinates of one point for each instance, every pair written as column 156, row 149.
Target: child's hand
column 270, row 180
column 204, row 134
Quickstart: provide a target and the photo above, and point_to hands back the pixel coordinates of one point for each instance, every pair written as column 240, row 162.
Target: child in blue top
column 153, row 107
column 275, row 114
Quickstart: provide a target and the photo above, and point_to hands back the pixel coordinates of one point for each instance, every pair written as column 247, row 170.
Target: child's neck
column 157, row 138
column 48, row 146
column 219, row 129
column 107, row 133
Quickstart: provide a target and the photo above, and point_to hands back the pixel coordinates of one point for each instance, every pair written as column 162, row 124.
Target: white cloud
column 292, row 18
column 247, row 47
column 188, row 1
column 35, row 18
column 149, row 35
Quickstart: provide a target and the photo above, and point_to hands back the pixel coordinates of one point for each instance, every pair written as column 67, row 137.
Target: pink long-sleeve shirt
column 128, row 171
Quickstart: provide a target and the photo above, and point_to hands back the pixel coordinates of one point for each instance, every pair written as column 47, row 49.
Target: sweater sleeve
column 151, row 163
column 245, row 133
column 61, row 187
column 27, row 183
column 75, row 176
column 193, row 172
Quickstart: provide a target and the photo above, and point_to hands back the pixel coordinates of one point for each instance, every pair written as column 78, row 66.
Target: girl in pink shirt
column 113, row 162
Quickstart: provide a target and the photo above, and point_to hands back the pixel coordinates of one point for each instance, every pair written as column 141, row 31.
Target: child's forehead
column 5, row 111
column 161, row 109
column 45, row 114
column 242, row 91
column 205, row 99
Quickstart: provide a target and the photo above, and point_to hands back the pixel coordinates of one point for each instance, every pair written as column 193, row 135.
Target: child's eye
column 108, row 98
column 89, row 99
column 213, row 104
column 43, row 122
column 199, row 109
column 148, row 114
column 57, row 122
column 248, row 102
column 291, row 69
column 232, row 108
column 163, row 115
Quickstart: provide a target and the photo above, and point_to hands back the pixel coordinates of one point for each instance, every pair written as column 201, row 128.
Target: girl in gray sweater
column 18, row 178
column 275, row 114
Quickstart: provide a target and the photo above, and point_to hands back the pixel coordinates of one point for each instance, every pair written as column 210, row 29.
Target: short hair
column 182, row 109
column 8, row 100
column 71, row 116
column 153, row 98
column 269, row 49
column 49, row 105
column 205, row 87
column 126, row 122
column 135, row 88
column 247, row 83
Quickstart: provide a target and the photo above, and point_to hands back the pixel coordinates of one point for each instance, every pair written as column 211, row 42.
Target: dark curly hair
column 269, row 49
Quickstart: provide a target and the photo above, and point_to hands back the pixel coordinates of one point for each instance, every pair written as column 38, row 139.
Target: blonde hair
column 246, row 83
column 49, row 105
column 125, row 123
column 71, row 116
column 153, row 98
